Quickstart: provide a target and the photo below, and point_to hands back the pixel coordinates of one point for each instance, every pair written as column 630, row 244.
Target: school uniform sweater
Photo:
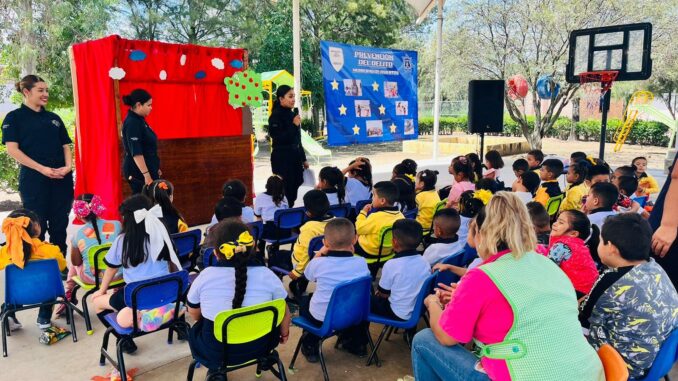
column 547, row 189
column 368, row 227
column 307, row 232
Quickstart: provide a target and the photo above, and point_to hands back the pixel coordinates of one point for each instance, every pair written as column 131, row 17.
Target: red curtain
column 189, row 100
column 97, row 154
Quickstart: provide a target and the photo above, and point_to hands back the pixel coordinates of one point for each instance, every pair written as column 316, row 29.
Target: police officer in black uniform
column 141, row 164
column 38, row 140
column 288, row 159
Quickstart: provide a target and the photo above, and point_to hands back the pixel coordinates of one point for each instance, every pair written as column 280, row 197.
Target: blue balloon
column 137, row 55
column 236, row 64
column 547, row 88
column 200, row 75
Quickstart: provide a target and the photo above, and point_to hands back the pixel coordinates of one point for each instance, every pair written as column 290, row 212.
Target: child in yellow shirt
column 647, row 184
column 317, row 205
column 577, row 190
column 22, row 229
column 427, row 198
column 374, row 217
column 549, row 172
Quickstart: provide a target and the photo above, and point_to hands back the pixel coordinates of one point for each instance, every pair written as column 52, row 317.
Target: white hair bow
column 157, row 233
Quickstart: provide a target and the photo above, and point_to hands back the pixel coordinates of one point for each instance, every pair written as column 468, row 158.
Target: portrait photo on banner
column 375, row 128
column 353, row 88
column 362, row 109
column 391, row 89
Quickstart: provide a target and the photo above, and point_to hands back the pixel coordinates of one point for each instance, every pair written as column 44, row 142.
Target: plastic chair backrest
column 385, row 239
column 257, row 229
column 289, row 218
column 95, row 257
column 353, row 296
column 553, row 205
column 613, row 364
column 340, row 210
column 38, row 282
column 667, row 356
column 469, row 255
column 361, row 204
column 315, row 245
column 187, row 242
column 153, row 293
column 426, row 290
column 208, row 258
column 440, row 205
column 411, row 214
column 249, row 323
column 447, row 277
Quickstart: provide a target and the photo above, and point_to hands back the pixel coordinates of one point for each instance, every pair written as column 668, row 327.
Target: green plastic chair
column 385, row 246
column 553, row 205
column 246, row 325
column 440, row 205
column 95, row 258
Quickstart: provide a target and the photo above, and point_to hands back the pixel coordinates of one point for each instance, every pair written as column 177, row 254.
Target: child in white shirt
column 445, row 227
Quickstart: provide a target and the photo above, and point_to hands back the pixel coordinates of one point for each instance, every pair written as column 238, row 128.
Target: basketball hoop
column 595, row 84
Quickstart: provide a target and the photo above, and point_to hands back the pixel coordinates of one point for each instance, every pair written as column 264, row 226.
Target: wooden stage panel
column 198, row 167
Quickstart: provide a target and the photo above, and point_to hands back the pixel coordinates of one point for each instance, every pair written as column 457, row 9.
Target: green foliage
column 643, row 132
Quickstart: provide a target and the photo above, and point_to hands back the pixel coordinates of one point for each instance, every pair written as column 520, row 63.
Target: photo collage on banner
column 370, row 94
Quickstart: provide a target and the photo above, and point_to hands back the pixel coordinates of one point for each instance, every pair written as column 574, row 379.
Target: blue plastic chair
column 411, row 214
column 667, row 356
column 361, row 204
column 314, row 245
column 349, row 306
column 340, row 210
column 257, row 231
column 286, row 219
column 411, row 323
column 38, row 284
column 208, row 258
column 447, row 277
column 146, row 295
column 188, row 248
column 469, row 255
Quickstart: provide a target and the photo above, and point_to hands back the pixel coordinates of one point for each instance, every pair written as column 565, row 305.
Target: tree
column 198, row 21
column 145, row 17
column 39, row 33
column 530, row 37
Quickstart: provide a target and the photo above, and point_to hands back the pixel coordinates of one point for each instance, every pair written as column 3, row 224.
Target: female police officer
column 141, row 164
column 38, row 140
column 288, row 159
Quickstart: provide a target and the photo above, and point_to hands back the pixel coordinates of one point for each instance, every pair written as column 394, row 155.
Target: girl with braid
column 237, row 280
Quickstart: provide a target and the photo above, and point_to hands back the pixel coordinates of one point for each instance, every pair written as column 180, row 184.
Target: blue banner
column 370, row 94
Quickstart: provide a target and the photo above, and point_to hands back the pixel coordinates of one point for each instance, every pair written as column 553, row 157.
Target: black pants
column 382, row 307
column 51, row 199
column 353, row 336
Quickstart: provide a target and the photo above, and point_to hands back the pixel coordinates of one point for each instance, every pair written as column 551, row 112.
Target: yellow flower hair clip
column 483, row 195
column 229, row 249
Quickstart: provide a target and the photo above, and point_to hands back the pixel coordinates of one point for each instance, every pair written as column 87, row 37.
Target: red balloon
column 517, row 86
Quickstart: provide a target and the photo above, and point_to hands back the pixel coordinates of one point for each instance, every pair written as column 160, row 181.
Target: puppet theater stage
column 203, row 141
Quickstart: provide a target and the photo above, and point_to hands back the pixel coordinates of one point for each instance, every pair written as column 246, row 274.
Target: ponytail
column 235, row 244
column 30, row 229
column 276, row 189
column 160, row 192
column 240, row 280
column 136, row 237
column 335, row 178
column 136, row 96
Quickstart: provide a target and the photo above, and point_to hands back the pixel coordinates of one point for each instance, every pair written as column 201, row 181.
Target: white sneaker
column 14, row 324
column 44, row 325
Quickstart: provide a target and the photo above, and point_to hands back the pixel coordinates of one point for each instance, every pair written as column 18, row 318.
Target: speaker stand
column 482, row 146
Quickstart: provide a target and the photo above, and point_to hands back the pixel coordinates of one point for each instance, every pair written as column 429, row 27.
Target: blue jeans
column 434, row 361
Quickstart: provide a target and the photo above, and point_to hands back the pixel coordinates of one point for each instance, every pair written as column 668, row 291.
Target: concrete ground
column 156, row 360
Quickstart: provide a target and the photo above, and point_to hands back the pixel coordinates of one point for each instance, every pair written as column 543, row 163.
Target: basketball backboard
column 623, row 48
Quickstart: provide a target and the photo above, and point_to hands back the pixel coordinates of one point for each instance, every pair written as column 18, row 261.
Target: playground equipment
column 608, row 54
column 630, row 115
column 517, row 87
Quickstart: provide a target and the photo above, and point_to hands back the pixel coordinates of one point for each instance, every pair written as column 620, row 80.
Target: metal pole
column 604, row 107
column 482, row 146
column 296, row 48
column 439, row 59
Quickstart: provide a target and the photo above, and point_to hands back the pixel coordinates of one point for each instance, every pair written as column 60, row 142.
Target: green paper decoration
column 244, row 89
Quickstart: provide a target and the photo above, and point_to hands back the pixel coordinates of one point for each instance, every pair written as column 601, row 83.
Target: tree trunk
column 27, row 54
column 575, row 120
column 316, row 120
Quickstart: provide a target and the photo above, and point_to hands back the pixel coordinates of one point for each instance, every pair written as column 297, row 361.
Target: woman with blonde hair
column 518, row 307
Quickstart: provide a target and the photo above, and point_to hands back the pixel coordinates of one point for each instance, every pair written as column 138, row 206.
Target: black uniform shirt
column 41, row 135
column 139, row 139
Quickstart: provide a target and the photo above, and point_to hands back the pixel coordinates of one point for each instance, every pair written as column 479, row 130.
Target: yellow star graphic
column 393, row 128
column 335, row 85
column 375, row 86
column 382, row 110
column 342, row 109
column 356, row 129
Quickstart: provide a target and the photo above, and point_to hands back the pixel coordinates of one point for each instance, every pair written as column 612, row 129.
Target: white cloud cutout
column 116, row 73
column 218, row 63
column 163, row 75
column 182, row 60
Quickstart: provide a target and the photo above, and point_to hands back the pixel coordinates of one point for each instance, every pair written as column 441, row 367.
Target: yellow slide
column 630, row 114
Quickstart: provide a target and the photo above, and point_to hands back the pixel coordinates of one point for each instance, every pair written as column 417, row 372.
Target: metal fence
column 447, row 108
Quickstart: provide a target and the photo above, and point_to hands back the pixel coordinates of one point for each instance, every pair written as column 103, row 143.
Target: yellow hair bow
column 483, row 195
column 229, row 249
column 411, row 177
column 591, row 160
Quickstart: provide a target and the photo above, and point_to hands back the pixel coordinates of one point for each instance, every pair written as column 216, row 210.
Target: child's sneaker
column 13, row 324
column 44, row 324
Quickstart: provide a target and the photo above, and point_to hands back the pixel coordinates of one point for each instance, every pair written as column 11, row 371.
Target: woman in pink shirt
column 476, row 309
